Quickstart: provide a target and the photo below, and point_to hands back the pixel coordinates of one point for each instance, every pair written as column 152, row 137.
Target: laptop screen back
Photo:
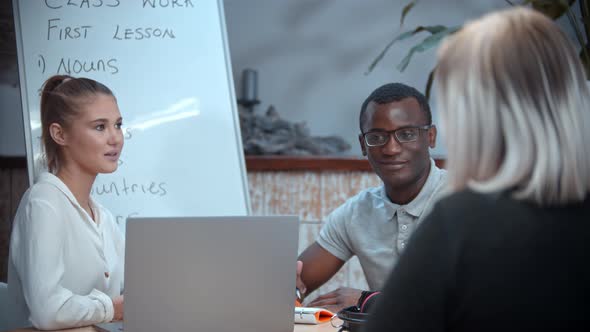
column 210, row 274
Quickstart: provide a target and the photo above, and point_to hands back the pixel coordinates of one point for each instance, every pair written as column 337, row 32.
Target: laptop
column 210, row 274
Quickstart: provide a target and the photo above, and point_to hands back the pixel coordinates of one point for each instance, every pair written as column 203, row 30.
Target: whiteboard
column 168, row 64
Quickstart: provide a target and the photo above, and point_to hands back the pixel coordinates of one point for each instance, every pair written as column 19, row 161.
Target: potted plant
column 552, row 8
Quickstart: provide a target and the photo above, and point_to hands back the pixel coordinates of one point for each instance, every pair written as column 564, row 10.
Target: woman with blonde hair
column 66, row 251
column 509, row 247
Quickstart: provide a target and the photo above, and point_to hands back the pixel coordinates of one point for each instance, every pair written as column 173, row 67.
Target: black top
column 491, row 263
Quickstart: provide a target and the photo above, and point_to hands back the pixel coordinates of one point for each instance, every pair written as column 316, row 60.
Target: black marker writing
column 168, row 3
column 119, row 219
column 142, row 33
column 76, row 66
column 125, row 188
column 57, row 4
column 54, row 31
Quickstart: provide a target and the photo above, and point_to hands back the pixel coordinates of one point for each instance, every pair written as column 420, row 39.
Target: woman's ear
column 57, row 134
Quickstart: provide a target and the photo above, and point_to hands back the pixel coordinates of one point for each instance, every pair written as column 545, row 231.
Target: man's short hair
column 393, row 92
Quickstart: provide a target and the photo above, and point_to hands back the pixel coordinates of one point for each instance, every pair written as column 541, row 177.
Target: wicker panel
column 335, row 190
column 13, row 183
column 312, row 195
column 256, row 186
column 294, row 193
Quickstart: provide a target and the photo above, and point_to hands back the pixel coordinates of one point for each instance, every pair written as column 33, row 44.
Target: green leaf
column 577, row 30
column 585, row 62
column 432, row 29
column 406, row 10
column 426, row 44
column 551, row 8
column 429, row 83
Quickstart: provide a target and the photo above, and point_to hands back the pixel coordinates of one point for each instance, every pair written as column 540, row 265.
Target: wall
column 311, row 55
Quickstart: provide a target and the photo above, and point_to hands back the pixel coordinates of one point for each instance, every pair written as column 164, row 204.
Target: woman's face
column 93, row 140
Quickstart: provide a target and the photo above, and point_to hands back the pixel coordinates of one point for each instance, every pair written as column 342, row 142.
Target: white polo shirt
column 64, row 268
column 376, row 230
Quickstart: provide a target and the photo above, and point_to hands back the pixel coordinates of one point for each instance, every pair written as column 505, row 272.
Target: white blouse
column 64, row 268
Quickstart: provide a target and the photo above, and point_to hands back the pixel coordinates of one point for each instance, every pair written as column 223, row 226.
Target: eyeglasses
column 401, row 135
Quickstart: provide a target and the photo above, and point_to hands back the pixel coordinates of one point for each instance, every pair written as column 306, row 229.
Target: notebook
column 210, row 274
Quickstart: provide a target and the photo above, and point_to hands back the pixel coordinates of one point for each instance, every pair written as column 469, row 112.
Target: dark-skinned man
column 375, row 225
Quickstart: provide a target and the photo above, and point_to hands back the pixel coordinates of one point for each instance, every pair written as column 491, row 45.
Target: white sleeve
column 119, row 239
column 121, row 251
column 40, row 267
column 334, row 236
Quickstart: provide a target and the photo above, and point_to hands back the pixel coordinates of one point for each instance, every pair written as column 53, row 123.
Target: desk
column 326, row 327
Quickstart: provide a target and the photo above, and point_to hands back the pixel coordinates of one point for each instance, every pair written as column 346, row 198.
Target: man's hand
column 118, row 306
column 299, row 283
column 337, row 300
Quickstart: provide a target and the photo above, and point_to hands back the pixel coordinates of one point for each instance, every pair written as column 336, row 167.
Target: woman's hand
column 118, row 306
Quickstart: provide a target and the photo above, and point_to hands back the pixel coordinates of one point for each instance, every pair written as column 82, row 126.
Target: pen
column 298, row 293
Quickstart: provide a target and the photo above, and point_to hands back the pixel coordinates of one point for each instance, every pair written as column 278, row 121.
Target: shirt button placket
column 403, row 228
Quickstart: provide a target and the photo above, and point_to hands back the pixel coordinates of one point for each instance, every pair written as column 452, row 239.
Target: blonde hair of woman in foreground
column 515, row 109
column 508, row 248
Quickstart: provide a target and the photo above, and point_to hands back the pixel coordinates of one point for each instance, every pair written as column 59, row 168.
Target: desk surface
column 325, row 327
